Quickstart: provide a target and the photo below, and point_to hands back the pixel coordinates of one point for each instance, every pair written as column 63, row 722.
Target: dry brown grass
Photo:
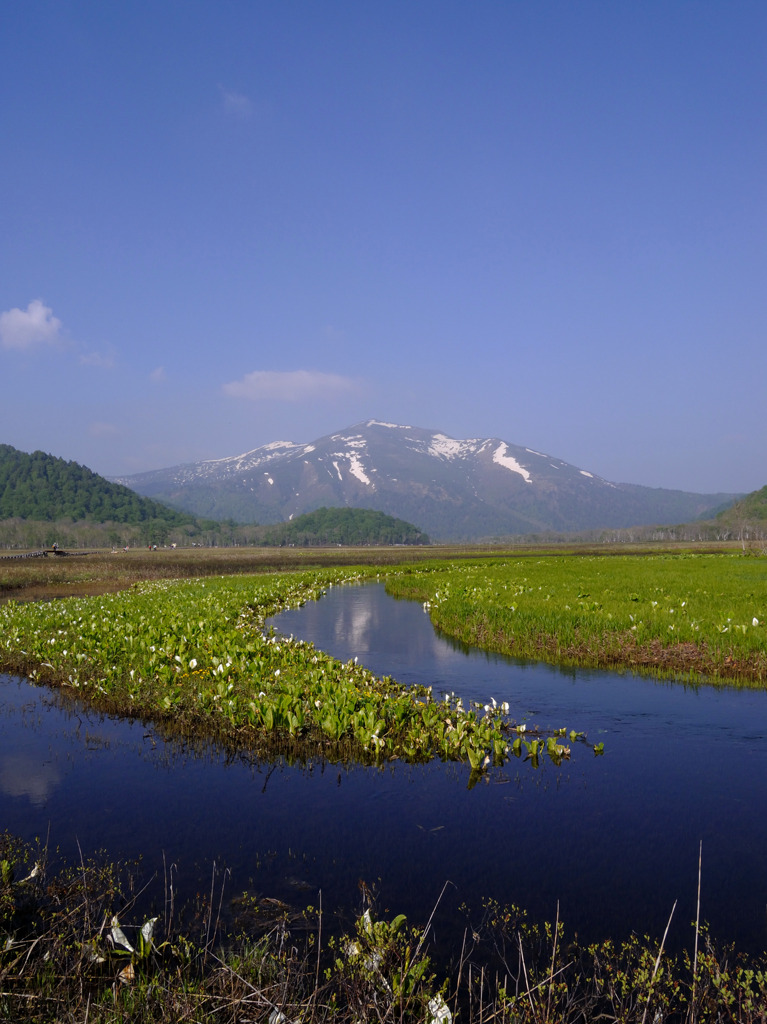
column 98, row 572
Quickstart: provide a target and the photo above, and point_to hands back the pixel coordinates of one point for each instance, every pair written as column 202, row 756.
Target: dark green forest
column 347, row 526
column 45, row 488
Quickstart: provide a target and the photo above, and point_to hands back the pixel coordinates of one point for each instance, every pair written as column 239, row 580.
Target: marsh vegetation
column 197, row 652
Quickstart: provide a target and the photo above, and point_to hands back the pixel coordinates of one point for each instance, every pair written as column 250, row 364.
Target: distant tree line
column 34, row 534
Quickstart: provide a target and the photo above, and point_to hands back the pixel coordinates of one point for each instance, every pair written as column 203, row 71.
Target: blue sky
column 228, row 223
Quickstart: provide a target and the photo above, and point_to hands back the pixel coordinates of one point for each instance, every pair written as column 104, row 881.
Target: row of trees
column 326, row 527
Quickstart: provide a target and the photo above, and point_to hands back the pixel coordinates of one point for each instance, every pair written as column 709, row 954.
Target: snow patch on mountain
column 509, row 462
column 351, row 440
column 355, row 468
column 448, row 447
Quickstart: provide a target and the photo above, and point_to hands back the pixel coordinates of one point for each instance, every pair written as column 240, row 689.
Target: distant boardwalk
column 44, row 552
column 29, row 554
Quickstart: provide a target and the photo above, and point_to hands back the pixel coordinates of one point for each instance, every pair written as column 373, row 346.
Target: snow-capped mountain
column 452, row 489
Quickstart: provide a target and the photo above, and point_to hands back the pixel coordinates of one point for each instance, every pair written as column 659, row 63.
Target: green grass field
column 699, row 617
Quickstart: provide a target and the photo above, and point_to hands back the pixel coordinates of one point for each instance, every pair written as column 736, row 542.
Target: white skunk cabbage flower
column 439, row 1012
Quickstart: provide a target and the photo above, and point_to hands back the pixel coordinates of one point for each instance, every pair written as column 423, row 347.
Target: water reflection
column 25, row 776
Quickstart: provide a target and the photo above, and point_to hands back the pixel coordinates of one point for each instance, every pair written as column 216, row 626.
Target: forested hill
column 42, row 487
column 348, row 526
column 751, row 508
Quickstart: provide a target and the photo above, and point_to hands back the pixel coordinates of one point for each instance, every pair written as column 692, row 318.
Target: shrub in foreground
column 74, row 948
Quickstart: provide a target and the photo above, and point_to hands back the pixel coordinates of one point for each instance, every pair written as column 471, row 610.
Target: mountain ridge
column 450, row 488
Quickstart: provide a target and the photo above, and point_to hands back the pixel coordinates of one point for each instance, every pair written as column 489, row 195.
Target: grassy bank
column 73, row 949
column 700, row 617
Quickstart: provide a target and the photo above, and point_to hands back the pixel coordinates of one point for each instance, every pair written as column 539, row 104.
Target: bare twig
column 657, row 963
column 527, row 982
column 697, row 932
column 553, row 960
column 431, row 917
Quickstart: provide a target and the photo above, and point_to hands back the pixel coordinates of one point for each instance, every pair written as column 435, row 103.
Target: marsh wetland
column 242, row 723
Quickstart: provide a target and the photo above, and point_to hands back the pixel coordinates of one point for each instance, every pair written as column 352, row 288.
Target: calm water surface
column 613, row 840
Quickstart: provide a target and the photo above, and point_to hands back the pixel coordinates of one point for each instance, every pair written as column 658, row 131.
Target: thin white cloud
column 157, row 376
column 27, row 328
column 99, row 359
column 291, row 386
column 332, row 333
column 102, row 429
column 236, row 104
